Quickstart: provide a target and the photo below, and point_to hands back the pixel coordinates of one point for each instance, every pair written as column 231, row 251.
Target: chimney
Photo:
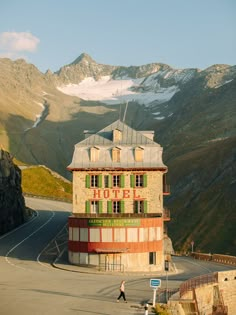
column 88, row 133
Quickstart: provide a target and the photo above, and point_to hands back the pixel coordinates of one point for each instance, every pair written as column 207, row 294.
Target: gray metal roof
column 103, row 140
column 129, row 136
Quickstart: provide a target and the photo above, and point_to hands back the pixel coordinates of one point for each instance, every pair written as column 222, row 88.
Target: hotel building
column 118, row 217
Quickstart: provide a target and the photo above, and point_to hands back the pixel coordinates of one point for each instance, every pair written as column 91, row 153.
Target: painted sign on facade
column 114, row 222
column 115, row 193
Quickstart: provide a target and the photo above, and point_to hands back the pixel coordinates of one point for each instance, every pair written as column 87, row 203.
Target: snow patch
column 228, row 81
column 111, row 92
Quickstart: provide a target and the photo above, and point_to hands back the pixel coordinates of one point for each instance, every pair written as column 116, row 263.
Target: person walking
column 122, row 291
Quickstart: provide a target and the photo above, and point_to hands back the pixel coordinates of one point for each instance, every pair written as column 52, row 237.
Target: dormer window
column 94, row 154
column 138, row 154
column 117, row 135
column 116, row 154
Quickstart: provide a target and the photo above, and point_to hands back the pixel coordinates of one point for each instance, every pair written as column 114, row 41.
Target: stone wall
column 210, row 294
column 12, row 203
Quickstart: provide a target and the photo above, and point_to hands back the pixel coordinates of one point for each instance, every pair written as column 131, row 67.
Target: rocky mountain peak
column 83, row 58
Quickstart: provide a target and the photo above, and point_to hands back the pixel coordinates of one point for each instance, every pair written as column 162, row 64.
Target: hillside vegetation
column 40, row 181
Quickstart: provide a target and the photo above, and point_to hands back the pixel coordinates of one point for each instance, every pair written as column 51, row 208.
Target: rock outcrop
column 12, row 203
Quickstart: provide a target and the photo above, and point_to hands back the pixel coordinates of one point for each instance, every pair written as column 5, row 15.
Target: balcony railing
column 166, row 214
column 166, row 189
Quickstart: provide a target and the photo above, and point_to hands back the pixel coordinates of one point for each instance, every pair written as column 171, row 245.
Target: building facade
column 118, row 216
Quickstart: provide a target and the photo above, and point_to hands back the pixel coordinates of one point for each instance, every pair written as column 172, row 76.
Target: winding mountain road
column 30, row 285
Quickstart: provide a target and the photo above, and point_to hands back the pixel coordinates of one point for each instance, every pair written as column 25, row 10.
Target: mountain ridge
column 192, row 112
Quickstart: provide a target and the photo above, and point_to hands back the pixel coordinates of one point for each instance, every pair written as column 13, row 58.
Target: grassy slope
column 40, row 181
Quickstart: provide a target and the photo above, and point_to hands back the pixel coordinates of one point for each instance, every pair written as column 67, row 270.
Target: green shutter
column 87, row 181
column 145, row 206
column 122, row 181
column 109, row 206
column 100, row 181
column 109, row 181
column 87, row 206
column 145, row 180
column 100, row 206
column 135, row 206
column 132, row 179
column 122, row 206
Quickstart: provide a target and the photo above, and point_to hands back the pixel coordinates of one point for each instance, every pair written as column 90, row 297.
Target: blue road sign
column 155, row 283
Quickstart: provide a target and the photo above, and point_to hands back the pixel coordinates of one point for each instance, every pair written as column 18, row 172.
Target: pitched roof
column 129, row 136
column 129, row 140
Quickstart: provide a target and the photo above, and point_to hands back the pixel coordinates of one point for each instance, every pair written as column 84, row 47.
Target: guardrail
column 47, row 197
column 197, row 282
column 223, row 259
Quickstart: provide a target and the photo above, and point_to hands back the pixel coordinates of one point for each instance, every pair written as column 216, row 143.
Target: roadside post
column 166, row 269
column 154, row 284
column 192, row 244
column 146, row 309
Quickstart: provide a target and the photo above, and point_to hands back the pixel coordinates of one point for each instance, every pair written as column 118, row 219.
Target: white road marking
column 19, row 227
column 13, row 248
column 38, row 258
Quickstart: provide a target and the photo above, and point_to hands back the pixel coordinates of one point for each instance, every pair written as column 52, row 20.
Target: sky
column 180, row 33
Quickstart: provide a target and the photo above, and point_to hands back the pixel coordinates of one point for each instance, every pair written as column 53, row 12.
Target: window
column 138, row 153
column 152, row 258
column 94, row 206
column 139, row 206
column 116, row 180
column 117, row 135
column 116, row 155
column 94, row 180
column 116, row 206
column 94, row 154
column 139, row 180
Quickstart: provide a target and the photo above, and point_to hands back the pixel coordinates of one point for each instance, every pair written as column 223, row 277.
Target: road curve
column 28, row 287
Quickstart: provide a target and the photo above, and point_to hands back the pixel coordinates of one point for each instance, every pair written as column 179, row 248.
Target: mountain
column 192, row 111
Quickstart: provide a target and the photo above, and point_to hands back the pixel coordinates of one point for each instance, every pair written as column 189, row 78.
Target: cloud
column 12, row 42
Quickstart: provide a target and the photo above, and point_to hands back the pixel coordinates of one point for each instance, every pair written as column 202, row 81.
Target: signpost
column 192, row 243
column 154, row 284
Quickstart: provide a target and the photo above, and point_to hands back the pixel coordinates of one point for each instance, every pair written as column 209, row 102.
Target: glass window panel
column 132, row 235
column 94, row 235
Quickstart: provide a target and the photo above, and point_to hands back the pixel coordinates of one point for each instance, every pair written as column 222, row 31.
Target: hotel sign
column 115, row 193
column 113, row 222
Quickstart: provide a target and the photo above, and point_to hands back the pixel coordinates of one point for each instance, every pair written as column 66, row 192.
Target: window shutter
column 122, row 181
column 132, row 178
column 145, row 206
column 87, row 206
column 109, row 181
column 145, row 180
column 100, row 206
column 109, row 206
column 135, row 206
column 122, row 206
column 99, row 181
column 87, row 181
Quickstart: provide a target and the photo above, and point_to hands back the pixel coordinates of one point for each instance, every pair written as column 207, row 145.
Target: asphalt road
column 30, row 285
